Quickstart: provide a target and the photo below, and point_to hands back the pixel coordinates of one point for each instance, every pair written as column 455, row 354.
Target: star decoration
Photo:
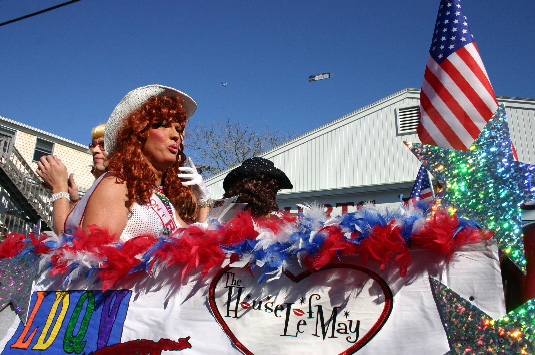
column 485, row 183
column 472, row 331
column 16, row 277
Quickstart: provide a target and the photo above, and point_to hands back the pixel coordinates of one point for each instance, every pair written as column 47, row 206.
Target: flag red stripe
column 452, row 104
column 456, row 91
column 490, row 104
column 468, row 90
column 515, row 155
column 441, row 124
column 429, row 126
column 426, row 195
column 424, row 136
column 457, row 98
column 481, row 74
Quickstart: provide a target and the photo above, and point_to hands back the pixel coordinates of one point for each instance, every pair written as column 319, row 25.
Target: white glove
column 196, row 182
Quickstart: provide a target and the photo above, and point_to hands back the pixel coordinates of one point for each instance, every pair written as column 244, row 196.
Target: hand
column 195, row 180
column 73, row 189
column 53, row 172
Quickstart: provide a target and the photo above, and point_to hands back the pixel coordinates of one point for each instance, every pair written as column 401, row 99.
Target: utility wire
column 39, row 12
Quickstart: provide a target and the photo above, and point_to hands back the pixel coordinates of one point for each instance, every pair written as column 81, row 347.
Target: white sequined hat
column 134, row 100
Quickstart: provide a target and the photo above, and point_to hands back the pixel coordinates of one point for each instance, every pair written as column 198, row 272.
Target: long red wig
column 128, row 162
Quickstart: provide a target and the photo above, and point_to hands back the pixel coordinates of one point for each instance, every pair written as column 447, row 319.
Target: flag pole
column 429, row 176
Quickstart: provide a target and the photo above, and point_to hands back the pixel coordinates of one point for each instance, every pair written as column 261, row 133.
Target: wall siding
column 363, row 149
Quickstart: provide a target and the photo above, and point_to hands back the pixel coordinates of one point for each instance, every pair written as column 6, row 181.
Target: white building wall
column 25, row 144
column 77, row 162
column 521, row 114
column 358, row 149
column 360, row 156
column 76, row 157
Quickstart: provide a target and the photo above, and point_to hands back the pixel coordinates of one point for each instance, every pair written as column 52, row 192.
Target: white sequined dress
column 142, row 219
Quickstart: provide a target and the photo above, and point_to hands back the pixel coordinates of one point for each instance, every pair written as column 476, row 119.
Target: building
column 361, row 156
column 23, row 200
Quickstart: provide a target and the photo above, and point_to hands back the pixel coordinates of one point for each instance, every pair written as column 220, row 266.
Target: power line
column 39, row 12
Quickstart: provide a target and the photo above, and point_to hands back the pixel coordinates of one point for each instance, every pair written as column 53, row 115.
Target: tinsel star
column 16, row 277
column 485, row 183
column 472, row 331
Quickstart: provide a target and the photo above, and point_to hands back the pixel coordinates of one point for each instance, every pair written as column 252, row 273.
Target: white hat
column 133, row 101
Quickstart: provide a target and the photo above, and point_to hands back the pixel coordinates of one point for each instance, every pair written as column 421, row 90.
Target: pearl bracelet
column 59, row 195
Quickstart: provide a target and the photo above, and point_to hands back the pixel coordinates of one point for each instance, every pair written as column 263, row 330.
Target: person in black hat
column 256, row 182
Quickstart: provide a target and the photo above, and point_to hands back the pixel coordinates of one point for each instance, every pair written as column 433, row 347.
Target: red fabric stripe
column 441, row 124
column 426, row 195
column 471, row 62
column 514, row 151
column 468, row 90
column 424, row 135
column 452, row 104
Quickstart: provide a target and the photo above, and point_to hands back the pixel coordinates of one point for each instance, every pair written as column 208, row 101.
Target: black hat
column 254, row 166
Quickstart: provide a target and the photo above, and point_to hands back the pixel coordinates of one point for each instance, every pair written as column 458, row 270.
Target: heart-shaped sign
column 335, row 310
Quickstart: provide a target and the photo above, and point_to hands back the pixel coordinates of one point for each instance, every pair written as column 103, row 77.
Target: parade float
column 417, row 279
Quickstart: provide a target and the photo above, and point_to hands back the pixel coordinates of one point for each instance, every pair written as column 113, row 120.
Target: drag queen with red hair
column 147, row 189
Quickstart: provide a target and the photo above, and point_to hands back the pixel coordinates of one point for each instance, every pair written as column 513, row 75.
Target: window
column 407, row 119
column 4, row 131
column 6, row 136
column 42, row 147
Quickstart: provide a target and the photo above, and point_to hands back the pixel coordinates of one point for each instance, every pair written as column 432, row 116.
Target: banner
column 345, row 307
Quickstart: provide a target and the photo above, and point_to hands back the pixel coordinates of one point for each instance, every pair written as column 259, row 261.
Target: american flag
column 457, row 98
column 422, row 190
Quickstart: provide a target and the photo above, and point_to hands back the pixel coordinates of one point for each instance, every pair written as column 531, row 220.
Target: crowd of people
column 144, row 183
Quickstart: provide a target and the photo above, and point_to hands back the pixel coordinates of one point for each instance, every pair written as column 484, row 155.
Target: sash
column 75, row 217
column 167, row 218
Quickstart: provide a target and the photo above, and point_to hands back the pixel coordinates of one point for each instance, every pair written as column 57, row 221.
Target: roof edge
column 406, row 91
column 53, row 137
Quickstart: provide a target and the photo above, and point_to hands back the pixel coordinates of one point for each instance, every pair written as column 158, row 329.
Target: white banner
column 343, row 308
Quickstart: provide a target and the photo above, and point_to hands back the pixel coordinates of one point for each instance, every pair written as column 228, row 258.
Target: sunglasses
column 95, row 144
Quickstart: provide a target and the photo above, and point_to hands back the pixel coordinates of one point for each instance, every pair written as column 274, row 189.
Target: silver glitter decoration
column 472, row 331
column 16, row 277
column 485, row 183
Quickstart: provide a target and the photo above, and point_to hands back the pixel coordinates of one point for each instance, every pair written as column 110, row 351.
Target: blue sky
column 64, row 71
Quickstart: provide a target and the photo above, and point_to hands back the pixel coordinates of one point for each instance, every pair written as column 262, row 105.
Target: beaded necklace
column 158, row 190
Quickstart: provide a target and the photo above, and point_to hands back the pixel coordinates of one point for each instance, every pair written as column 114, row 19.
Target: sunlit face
column 99, row 154
column 163, row 144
